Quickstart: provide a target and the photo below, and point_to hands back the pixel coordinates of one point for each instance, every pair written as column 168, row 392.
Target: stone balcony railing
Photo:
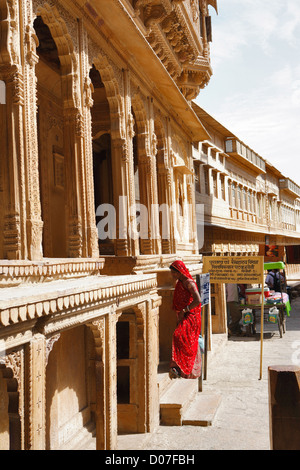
column 288, row 185
column 16, row 272
column 243, row 153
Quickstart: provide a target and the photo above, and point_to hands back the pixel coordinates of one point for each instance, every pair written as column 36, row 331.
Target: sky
column 255, row 88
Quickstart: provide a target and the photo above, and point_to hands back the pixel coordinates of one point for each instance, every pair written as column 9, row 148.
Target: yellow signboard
column 234, row 269
column 238, row 270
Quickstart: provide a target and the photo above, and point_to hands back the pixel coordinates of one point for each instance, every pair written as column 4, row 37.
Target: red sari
column 185, row 347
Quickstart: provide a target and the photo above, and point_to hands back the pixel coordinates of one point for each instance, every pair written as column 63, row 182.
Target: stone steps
column 175, row 400
column 182, row 404
column 202, row 410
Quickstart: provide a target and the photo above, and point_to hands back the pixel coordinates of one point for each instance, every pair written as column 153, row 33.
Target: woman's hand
column 180, row 316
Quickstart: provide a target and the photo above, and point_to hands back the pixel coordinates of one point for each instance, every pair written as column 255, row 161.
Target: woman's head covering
column 181, row 267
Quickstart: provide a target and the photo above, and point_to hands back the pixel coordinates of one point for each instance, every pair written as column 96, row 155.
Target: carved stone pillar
column 98, row 329
column 165, row 204
column 92, row 248
column 104, row 332
column 124, row 194
column 34, row 224
column 12, row 183
column 111, row 380
column 153, row 360
column 35, row 357
column 92, row 234
column 150, row 312
column 148, row 192
column 124, row 245
column 192, row 212
column 142, row 372
column 145, row 170
column 72, row 151
column 22, row 222
column 126, row 132
column 12, row 168
column 227, row 189
column 203, row 15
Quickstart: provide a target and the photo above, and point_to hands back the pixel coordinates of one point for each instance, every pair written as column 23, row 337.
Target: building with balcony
column 247, row 203
column 96, row 121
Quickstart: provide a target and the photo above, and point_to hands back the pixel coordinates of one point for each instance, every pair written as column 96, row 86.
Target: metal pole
column 205, row 340
column 262, row 326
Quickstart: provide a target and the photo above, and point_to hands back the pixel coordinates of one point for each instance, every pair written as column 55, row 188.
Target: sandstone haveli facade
column 97, row 111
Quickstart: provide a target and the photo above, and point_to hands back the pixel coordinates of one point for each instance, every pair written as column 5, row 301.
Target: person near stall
column 274, row 280
column 270, row 279
column 233, row 311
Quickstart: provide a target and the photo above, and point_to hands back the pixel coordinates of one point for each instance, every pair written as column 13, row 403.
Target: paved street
column 242, row 420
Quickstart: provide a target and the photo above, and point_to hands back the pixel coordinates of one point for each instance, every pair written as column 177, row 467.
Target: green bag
column 247, row 316
column 273, row 315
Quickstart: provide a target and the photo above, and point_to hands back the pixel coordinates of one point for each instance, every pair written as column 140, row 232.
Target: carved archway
column 66, row 53
column 116, row 86
column 114, row 96
column 68, row 157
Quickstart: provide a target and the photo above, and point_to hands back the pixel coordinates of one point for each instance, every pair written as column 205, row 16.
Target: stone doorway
column 131, row 374
column 70, row 389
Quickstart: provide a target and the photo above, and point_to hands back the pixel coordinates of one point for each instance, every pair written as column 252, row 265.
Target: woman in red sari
column 186, row 355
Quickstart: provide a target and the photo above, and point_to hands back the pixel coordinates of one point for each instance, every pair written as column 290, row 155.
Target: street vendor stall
column 250, row 270
column 279, row 295
column 276, row 303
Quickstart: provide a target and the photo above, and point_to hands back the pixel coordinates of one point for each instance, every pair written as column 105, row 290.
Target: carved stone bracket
column 154, row 14
column 15, row 80
column 32, row 42
column 49, row 345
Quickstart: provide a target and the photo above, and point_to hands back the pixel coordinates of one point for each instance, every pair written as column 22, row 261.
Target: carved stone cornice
column 71, row 302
